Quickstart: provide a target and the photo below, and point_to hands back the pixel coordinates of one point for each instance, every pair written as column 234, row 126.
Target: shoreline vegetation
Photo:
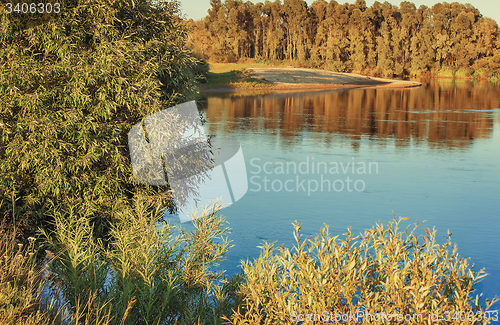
column 79, row 236
column 231, row 77
column 449, row 40
column 149, row 275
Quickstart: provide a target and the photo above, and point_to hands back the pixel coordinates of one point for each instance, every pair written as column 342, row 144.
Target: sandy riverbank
column 295, row 78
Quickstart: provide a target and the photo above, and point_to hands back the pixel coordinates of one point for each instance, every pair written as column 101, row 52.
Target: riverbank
column 255, row 77
column 299, row 78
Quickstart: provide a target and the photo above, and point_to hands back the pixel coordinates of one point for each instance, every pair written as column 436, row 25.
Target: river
column 350, row 158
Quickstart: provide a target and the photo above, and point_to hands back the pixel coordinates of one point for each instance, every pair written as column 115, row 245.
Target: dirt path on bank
column 295, row 78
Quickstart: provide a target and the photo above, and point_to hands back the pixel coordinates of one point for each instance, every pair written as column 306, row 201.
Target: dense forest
column 448, row 39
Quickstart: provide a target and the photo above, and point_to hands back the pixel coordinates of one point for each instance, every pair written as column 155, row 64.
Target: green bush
column 150, row 275
column 147, row 275
column 464, row 73
column 383, row 270
column 494, row 77
column 71, row 88
column 201, row 71
column 338, row 66
column 446, row 72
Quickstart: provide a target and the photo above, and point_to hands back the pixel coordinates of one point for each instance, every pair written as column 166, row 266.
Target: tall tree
column 73, row 85
column 387, row 38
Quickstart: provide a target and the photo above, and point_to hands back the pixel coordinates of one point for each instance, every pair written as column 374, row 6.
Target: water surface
column 434, row 153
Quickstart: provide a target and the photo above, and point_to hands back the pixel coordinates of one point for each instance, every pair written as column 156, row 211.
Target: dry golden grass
column 20, row 281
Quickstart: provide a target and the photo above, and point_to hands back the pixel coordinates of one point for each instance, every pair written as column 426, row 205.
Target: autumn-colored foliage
column 153, row 273
column 382, row 271
column 382, row 38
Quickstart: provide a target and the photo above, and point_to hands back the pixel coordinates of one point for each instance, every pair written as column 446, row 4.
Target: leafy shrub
column 415, row 72
column 149, row 275
column 446, row 72
column 201, row 71
column 379, row 271
column 146, row 275
column 70, row 90
column 338, row 66
column 464, row 73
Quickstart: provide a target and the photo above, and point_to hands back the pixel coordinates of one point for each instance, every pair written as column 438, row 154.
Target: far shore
column 292, row 78
column 300, row 79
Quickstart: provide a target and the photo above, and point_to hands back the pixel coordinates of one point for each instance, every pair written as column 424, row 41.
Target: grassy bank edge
column 236, row 76
column 233, row 76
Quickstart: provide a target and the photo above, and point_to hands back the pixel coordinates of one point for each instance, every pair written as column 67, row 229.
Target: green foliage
column 463, row 73
column 218, row 80
column 446, row 72
column 494, row 78
column 201, row 71
column 147, row 275
column 337, row 66
column 382, row 270
column 234, row 79
column 151, row 275
column 71, row 87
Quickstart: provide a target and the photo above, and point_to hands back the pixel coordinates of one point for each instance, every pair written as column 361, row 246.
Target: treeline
column 384, row 39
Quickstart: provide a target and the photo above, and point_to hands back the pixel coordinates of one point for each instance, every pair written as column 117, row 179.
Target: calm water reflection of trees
column 446, row 113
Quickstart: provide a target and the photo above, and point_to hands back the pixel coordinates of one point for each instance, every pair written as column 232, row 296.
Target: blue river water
column 350, row 158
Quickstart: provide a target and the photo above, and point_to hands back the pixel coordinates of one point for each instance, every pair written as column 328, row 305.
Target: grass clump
column 21, row 281
column 380, row 271
column 222, row 79
column 18, row 282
